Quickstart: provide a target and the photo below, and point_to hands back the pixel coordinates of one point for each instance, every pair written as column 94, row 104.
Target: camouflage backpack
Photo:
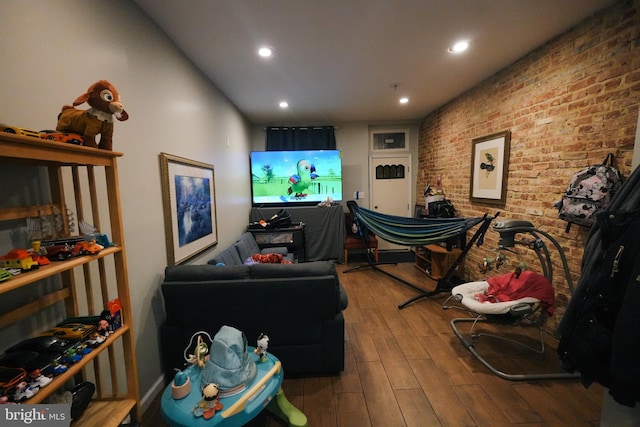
column 589, row 192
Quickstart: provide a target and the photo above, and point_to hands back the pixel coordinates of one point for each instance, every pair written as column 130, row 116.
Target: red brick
column 587, row 81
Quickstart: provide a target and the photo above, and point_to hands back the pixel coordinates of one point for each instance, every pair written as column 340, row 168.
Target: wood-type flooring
column 407, row 368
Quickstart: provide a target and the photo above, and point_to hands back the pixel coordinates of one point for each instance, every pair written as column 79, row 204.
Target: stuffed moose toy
column 104, row 100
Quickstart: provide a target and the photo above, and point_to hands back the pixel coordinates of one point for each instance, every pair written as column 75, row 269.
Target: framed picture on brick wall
column 489, row 167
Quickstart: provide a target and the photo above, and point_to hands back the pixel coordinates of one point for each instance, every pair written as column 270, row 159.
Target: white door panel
column 390, row 189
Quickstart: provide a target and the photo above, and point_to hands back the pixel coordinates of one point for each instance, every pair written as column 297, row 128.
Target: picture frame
column 188, row 196
column 489, row 168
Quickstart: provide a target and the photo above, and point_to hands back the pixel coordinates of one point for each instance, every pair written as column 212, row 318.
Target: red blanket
column 509, row 287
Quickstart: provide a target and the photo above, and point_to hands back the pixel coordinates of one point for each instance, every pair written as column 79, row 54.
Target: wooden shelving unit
column 88, row 282
column 436, row 260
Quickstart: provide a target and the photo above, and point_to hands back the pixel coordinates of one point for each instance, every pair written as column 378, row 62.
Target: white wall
column 53, row 50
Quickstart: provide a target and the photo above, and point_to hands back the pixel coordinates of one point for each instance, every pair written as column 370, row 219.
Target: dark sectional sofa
column 246, row 246
column 298, row 305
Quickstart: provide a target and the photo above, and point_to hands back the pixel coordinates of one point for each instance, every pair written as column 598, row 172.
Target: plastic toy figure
column 261, row 348
column 200, row 355
column 104, row 326
column 210, row 402
column 38, row 379
column 96, row 339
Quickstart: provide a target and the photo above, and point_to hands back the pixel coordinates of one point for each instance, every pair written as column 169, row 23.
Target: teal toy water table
column 264, row 392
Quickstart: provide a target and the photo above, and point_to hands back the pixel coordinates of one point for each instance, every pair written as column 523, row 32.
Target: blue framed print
column 188, row 189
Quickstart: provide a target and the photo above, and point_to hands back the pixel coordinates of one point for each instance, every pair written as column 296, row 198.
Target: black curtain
column 301, row 138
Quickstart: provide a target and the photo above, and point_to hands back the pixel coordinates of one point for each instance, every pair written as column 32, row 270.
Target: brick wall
column 567, row 104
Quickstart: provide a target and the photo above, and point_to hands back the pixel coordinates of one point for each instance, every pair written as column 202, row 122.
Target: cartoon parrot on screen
column 302, row 180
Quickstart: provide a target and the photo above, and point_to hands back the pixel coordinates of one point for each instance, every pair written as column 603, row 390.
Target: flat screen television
column 305, row 178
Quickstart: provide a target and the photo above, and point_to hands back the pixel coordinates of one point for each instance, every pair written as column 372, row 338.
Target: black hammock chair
column 414, row 232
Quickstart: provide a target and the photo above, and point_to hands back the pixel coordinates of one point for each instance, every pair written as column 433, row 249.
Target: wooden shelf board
column 77, row 367
column 52, row 269
column 443, row 250
column 35, row 306
column 44, row 151
column 7, row 214
column 105, row 413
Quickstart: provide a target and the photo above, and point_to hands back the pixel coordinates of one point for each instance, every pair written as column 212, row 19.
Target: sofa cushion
column 227, row 257
column 305, row 269
column 202, row 273
column 246, row 246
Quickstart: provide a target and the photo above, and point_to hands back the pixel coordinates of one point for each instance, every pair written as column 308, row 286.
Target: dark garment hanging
column 600, row 330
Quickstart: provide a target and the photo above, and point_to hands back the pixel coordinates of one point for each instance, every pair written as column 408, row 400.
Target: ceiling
column 351, row 60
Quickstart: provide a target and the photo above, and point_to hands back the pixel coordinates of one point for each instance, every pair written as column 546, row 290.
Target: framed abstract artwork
column 188, row 196
column 489, row 168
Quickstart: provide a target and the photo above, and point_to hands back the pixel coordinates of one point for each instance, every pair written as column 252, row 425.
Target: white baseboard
column 154, row 391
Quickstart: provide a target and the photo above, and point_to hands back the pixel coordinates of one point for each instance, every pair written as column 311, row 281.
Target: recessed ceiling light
column 265, row 52
column 404, row 100
column 459, row 47
column 283, row 104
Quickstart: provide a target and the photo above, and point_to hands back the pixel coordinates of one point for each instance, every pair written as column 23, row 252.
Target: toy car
column 76, row 331
column 19, row 131
column 18, row 258
column 38, row 379
column 24, row 391
column 63, row 351
column 5, row 275
column 101, row 239
column 86, row 248
column 95, row 340
column 56, row 368
column 84, row 320
column 71, row 240
column 71, row 357
column 53, row 135
column 41, row 259
column 59, row 252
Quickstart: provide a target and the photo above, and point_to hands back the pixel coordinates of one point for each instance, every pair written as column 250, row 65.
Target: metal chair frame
column 523, row 314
